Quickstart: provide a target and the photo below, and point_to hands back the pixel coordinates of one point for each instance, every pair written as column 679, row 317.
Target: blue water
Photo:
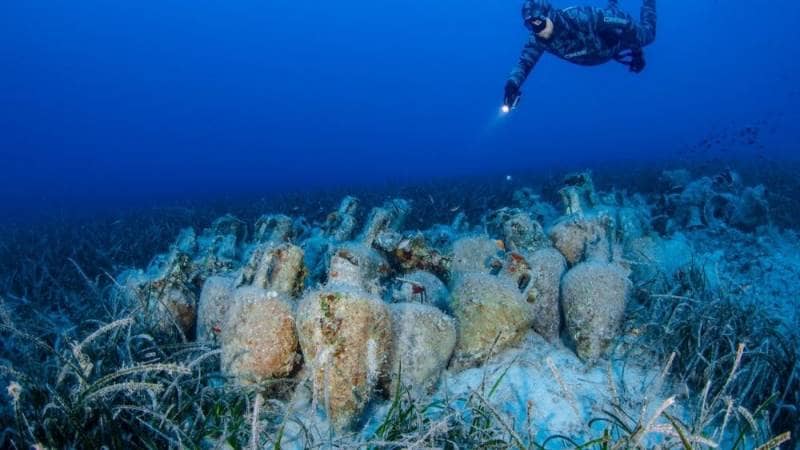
column 106, row 103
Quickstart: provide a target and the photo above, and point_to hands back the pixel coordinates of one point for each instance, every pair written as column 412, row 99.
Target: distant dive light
column 505, row 109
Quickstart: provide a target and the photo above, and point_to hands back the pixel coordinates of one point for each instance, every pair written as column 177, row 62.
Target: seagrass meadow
column 653, row 307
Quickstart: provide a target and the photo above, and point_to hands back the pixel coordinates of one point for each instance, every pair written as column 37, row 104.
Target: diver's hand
column 511, row 94
column 638, row 63
column 633, row 58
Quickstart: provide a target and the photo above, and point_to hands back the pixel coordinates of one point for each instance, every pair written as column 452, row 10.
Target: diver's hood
column 535, row 8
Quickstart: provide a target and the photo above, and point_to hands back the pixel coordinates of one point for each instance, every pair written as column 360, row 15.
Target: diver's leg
column 630, row 33
column 647, row 23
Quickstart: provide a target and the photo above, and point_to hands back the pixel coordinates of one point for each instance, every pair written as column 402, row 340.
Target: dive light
column 506, row 108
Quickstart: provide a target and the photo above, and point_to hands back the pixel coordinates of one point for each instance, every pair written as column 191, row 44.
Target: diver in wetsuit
column 583, row 35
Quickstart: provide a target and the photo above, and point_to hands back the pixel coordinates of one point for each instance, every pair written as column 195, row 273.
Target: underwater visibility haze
column 282, row 224
column 112, row 102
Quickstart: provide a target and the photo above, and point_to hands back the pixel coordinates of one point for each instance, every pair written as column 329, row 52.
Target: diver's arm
column 529, row 57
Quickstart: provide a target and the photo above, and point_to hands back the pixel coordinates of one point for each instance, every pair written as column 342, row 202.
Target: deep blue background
column 121, row 102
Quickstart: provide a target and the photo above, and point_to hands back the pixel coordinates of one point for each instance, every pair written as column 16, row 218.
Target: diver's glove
column 637, row 60
column 512, row 93
column 633, row 58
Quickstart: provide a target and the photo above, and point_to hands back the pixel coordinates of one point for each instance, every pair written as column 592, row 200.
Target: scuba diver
column 583, row 35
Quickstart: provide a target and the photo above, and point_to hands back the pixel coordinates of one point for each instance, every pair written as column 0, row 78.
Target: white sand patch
column 547, row 390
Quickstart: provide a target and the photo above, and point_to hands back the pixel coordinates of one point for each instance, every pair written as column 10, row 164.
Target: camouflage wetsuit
column 589, row 36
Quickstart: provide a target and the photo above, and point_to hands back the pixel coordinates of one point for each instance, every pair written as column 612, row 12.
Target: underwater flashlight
column 506, row 108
